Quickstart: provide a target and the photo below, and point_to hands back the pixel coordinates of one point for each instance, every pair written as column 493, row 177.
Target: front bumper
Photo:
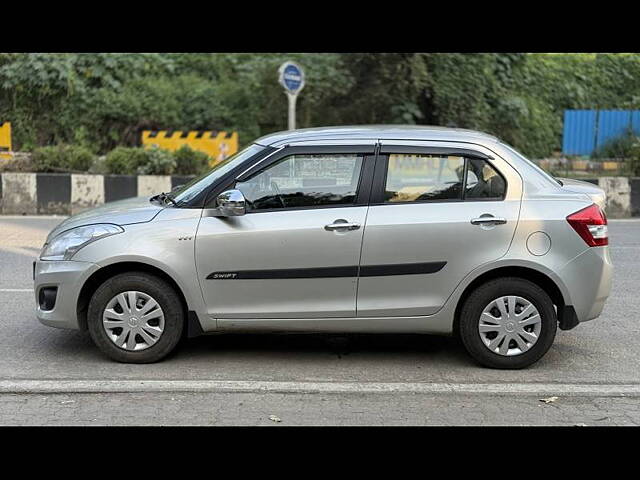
column 68, row 277
column 588, row 279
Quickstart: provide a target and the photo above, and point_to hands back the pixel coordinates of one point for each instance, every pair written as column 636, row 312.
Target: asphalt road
column 57, row 377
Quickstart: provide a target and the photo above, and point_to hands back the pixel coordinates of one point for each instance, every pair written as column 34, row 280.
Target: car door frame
column 513, row 185
column 365, row 147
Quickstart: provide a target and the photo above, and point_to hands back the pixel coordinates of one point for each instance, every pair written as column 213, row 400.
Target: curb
column 27, row 386
column 70, row 193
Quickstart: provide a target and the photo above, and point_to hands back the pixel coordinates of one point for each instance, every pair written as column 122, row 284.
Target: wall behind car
column 70, row 193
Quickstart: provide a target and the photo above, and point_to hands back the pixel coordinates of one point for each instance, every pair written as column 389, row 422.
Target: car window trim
column 448, row 151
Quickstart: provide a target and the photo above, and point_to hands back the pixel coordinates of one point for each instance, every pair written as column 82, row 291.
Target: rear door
column 438, row 210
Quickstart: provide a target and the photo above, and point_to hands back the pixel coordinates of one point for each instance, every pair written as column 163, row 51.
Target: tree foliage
column 101, row 101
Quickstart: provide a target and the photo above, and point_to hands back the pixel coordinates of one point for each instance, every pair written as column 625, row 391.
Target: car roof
column 362, row 132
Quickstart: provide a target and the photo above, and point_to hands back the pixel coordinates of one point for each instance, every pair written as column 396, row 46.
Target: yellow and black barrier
column 6, row 151
column 218, row 145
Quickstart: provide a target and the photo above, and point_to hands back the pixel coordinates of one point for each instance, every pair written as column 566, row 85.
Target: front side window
column 423, row 178
column 305, row 180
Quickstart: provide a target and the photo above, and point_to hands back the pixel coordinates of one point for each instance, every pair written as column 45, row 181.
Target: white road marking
column 16, row 290
column 248, row 386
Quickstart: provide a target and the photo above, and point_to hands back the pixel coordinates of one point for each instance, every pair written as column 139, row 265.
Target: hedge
column 65, row 158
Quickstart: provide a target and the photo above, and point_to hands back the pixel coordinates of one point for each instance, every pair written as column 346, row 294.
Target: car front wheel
column 135, row 318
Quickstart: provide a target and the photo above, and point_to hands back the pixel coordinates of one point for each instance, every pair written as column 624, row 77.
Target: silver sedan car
column 341, row 229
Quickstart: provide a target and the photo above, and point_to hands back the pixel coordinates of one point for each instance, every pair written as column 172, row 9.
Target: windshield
column 522, row 157
column 192, row 189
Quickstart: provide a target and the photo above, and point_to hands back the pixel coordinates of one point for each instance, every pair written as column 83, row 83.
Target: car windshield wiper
column 163, row 197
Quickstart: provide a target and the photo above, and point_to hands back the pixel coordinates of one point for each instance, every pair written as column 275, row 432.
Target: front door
column 435, row 215
column 295, row 253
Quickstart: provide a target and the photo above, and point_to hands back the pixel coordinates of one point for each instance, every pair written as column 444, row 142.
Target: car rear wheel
column 135, row 318
column 508, row 323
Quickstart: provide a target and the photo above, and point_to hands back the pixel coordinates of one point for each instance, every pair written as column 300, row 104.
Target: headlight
column 65, row 245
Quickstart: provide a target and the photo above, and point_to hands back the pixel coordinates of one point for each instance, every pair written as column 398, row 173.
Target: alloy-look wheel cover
column 509, row 325
column 133, row 320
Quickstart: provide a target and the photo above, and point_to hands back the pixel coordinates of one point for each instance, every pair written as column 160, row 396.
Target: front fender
column 167, row 244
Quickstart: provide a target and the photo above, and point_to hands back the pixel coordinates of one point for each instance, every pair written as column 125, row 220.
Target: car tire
column 162, row 338
column 483, row 298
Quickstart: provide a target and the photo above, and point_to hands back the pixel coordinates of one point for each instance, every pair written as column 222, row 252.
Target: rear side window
column 423, row 178
column 417, row 178
column 306, row 180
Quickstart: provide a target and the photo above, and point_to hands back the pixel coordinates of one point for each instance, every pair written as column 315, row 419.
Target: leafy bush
column 125, row 161
column 159, row 162
column 139, row 161
column 120, row 161
column 62, row 158
column 190, row 162
column 99, row 166
column 617, row 147
column 633, row 162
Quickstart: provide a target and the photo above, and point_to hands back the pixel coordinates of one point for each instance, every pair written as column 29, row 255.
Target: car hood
column 121, row 212
column 594, row 192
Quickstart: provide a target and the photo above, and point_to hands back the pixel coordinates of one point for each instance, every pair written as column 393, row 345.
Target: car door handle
column 342, row 225
column 488, row 220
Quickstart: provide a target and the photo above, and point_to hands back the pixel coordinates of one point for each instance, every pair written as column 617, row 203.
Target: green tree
column 100, row 101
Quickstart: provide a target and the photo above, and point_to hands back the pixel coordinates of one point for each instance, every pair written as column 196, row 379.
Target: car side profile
column 379, row 229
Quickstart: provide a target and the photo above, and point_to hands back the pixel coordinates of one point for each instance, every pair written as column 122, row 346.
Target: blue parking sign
column 291, row 77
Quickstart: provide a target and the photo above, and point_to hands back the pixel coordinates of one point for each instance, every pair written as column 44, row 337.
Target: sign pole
column 292, row 110
column 291, row 77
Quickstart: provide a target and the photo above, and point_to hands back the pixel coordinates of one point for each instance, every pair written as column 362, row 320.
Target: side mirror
column 231, row 203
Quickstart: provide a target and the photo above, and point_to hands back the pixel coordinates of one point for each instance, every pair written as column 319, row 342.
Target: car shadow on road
column 338, row 345
column 253, row 349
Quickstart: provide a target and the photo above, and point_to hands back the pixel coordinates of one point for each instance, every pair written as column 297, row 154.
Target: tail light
column 591, row 225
